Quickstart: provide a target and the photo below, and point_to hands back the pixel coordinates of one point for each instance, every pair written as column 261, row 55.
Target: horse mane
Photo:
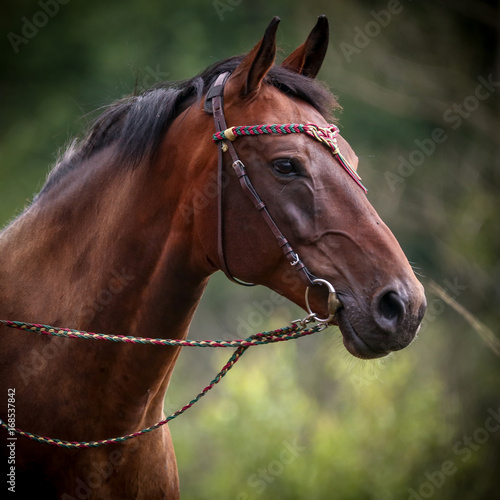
column 138, row 123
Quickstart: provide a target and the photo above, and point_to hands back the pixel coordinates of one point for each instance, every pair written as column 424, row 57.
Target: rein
column 224, row 137
column 296, row 330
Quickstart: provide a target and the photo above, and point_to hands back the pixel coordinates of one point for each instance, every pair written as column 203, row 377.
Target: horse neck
column 105, row 251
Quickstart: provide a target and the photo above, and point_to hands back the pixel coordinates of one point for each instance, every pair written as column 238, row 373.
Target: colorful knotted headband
column 326, row 135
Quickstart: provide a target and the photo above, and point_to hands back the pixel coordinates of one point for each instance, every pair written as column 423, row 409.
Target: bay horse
column 134, row 219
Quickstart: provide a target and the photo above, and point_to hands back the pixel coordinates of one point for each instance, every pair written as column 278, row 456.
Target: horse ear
column 248, row 76
column 308, row 58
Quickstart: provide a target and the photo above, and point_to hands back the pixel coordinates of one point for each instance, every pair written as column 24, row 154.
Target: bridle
column 224, row 138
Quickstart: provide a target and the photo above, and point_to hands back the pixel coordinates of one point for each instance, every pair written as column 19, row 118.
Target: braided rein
column 325, row 135
column 297, row 330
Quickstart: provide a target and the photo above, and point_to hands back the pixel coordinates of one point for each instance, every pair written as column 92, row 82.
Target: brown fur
column 130, row 252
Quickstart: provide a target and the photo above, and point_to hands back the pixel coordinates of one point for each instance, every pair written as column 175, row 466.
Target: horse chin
column 353, row 342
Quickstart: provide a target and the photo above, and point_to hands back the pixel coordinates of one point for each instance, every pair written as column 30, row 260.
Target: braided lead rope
column 296, row 330
column 325, row 135
column 279, row 335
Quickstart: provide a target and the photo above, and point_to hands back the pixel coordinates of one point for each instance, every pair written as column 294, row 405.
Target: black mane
column 137, row 124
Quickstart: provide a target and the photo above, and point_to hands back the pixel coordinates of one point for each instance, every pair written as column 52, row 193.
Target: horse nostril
column 389, row 311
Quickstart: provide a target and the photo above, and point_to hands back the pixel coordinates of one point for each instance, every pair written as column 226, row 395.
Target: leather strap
column 287, row 249
column 216, row 100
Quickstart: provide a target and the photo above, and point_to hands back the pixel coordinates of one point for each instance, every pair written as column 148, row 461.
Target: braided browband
column 325, row 135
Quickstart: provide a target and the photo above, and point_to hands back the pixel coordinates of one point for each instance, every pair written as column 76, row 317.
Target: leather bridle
column 214, row 104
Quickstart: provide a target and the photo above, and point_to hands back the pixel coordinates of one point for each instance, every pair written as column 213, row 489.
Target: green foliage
column 303, row 419
column 357, row 430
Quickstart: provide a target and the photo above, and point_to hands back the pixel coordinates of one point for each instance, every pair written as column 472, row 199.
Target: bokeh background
column 419, row 83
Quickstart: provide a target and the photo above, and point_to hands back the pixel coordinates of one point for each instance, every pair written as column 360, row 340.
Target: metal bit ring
column 333, row 301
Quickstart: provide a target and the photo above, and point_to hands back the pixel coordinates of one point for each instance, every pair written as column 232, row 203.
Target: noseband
column 224, row 137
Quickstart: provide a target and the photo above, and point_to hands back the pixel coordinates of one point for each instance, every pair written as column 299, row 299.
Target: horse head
column 319, row 206
column 135, row 218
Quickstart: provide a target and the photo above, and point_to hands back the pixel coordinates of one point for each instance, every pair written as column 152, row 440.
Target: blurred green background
column 419, row 83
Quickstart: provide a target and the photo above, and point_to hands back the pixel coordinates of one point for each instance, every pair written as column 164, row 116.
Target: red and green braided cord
column 283, row 334
column 286, row 128
column 326, row 135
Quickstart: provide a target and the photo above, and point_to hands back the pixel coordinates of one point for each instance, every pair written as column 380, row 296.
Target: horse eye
column 285, row 167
